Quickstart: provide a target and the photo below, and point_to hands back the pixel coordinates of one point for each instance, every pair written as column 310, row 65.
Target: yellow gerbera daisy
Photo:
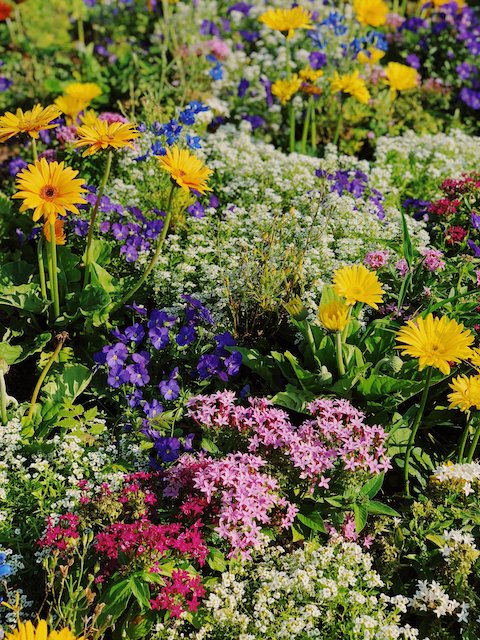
column 400, row 77
column 371, row 12
column 465, row 393
column 436, row 342
column 371, row 56
column 310, row 75
column 31, row 122
column 334, row 315
column 352, row 84
column 26, row 631
column 83, row 91
column 102, row 135
column 186, row 169
column 60, row 237
column 71, row 106
column 286, row 89
column 358, row 284
column 287, row 20
column 88, row 117
column 475, row 357
column 50, row 189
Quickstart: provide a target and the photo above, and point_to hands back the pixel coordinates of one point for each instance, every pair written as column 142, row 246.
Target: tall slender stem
column 463, row 441
column 34, row 150
column 413, row 432
column 288, row 67
column 54, row 275
column 306, row 123
column 41, row 268
column 313, row 126
column 473, row 446
column 81, row 31
column 339, row 354
column 93, row 217
column 3, row 396
column 60, row 340
column 339, row 125
column 291, row 114
column 155, row 256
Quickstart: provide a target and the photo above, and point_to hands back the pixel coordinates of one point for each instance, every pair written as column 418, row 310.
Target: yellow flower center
column 49, row 192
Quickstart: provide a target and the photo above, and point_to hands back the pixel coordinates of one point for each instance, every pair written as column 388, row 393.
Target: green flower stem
column 60, row 341
column 93, row 217
column 287, row 59
column 54, row 274
column 81, row 32
column 339, row 354
column 473, row 446
column 34, row 150
column 3, row 396
column 416, row 424
column 291, row 114
column 155, row 256
column 41, row 268
column 306, row 123
column 339, row 125
column 313, row 125
column 463, row 441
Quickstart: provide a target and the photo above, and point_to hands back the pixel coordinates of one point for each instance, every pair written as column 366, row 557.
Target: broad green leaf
column 373, row 486
column 216, row 560
column 360, row 512
column 141, row 591
column 374, row 506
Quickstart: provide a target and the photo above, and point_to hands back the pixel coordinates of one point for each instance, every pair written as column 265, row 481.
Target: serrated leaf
column 360, row 512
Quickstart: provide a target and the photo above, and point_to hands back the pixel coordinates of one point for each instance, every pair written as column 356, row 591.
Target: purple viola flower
column 168, row 449
column 170, row 389
column 118, row 376
column 213, row 202
column 475, row 219
column 135, row 333
column 475, row 248
column 470, row 97
column 104, row 226
column 186, row 335
column 135, row 398
column 130, row 253
column 5, row 83
column 210, row 365
column 242, row 87
column 16, row 165
column 196, row 210
column 233, row 363
column 137, row 375
column 464, row 70
column 152, row 409
column 159, row 337
column 241, row 7
column 413, row 60
column 116, row 355
column 188, row 443
column 255, row 121
column 317, row 59
column 138, row 308
column 120, row 231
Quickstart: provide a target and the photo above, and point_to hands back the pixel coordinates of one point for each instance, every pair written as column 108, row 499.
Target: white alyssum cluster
column 463, row 476
column 432, row 597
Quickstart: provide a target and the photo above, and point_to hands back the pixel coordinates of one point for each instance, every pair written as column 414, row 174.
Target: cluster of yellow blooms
column 26, row 631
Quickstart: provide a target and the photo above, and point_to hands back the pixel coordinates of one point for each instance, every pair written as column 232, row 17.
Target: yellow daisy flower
column 465, row 393
column 400, row 77
column 83, row 91
column 287, row 20
column 186, row 169
column 50, row 189
column 436, row 342
column 102, row 135
column 371, row 56
column 88, row 117
column 26, row 631
column 475, row 357
column 334, row 315
column 31, row 122
column 358, row 284
column 286, row 89
column 352, row 84
column 310, row 75
column 371, row 12
column 71, row 106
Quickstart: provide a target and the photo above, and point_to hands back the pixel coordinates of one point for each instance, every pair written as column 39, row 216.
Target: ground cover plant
column 239, row 320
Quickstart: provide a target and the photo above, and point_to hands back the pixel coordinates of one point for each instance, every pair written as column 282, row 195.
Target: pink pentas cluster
column 243, row 498
column 377, row 259
column 181, row 593
column 134, row 485
column 337, row 439
column 432, row 260
column 61, row 534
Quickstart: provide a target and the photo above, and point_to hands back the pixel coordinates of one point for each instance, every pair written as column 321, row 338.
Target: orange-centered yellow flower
column 352, row 84
column 287, row 20
column 465, row 393
column 358, row 284
column 186, row 169
column 436, row 342
column 31, row 122
column 286, row 89
column 83, row 91
column 310, row 75
column 101, row 135
column 26, row 631
column 400, row 77
column 371, row 12
column 71, row 106
column 50, row 189
column 334, row 315
column 60, row 237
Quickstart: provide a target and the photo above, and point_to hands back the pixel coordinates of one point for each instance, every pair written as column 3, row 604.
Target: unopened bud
column 295, row 308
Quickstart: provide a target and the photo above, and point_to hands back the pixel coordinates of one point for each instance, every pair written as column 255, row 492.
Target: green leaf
column 9, row 352
column 311, row 519
column 216, row 560
column 141, row 591
column 293, row 399
column 69, row 384
column 360, row 512
column 116, row 600
column 373, row 486
column 209, row 446
column 437, row 540
column 374, row 506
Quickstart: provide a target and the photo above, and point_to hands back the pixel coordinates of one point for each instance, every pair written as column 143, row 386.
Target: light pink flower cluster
column 377, row 259
column 242, row 497
column 432, row 260
column 337, row 439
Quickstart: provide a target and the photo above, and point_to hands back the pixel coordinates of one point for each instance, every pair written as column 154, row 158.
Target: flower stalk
column 3, row 391
column 93, row 217
column 339, row 354
column 415, row 426
column 41, row 269
column 339, row 125
column 473, row 446
column 463, row 441
column 34, row 150
column 155, row 256
column 54, row 292
column 60, row 340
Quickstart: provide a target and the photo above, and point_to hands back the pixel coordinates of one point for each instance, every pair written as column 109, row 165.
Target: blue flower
column 193, row 142
column 186, row 335
column 170, row 389
column 135, row 333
